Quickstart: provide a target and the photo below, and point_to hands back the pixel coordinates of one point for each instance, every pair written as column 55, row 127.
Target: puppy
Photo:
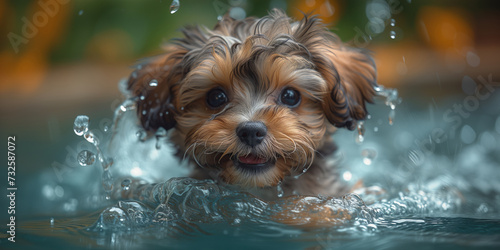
column 254, row 102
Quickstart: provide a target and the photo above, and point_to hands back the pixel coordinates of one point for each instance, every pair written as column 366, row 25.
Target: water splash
column 361, row 132
column 174, row 6
column 185, row 201
column 392, row 99
column 81, row 125
column 86, row 158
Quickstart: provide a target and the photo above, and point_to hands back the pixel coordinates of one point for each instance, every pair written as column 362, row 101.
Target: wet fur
column 253, row 60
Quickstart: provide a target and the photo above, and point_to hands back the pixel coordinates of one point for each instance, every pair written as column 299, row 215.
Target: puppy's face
column 252, row 99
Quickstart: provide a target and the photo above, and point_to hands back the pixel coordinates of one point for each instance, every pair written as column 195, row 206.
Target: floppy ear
column 153, row 83
column 350, row 73
column 351, row 79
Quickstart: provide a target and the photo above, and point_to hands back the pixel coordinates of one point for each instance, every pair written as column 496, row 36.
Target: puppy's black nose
column 251, row 133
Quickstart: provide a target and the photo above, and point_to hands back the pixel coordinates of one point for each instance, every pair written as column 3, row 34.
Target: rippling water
column 415, row 194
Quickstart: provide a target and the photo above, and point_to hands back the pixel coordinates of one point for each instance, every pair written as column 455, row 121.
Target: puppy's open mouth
column 253, row 163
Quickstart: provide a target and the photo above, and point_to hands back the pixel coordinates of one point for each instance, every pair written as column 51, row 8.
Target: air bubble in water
column 52, row 221
column 393, row 22
column 174, row 6
column 392, row 34
column 153, row 83
column 126, row 184
column 368, row 156
column 141, row 135
column 86, row 158
column 81, row 125
column 361, row 132
column 279, row 188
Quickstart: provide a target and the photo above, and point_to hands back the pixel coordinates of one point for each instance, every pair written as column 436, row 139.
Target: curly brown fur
column 253, row 61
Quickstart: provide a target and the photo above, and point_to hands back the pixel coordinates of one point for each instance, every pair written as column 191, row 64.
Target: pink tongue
column 251, row 159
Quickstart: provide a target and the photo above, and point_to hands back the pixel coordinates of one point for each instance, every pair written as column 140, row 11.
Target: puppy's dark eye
column 216, row 98
column 290, row 97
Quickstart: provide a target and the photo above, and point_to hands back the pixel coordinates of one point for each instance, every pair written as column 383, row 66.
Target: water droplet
column 392, row 114
column 126, row 184
column 279, row 189
column 52, row 221
column 81, row 125
column 219, row 18
column 90, row 137
column 86, row 158
column 141, row 135
column 467, row 134
column 153, row 83
column 391, row 96
column 361, row 132
column 473, row 59
column 347, row 175
column 174, row 6
column 107, row 181
column 80, row 12
column 393, row 34
column 393, row 22
column 368, row 156
column 142, row 98
column 106, row 163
